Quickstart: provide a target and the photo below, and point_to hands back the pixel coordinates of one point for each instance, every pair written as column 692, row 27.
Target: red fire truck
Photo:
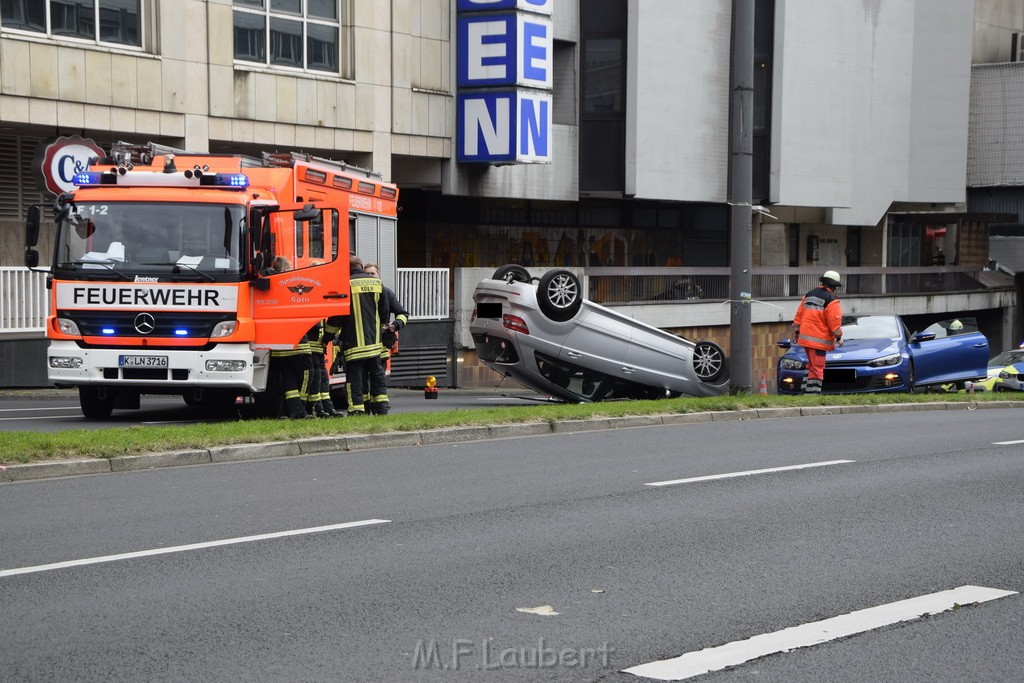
column 161, row 280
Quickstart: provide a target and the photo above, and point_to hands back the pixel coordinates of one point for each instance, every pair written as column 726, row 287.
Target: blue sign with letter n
column 504, row 127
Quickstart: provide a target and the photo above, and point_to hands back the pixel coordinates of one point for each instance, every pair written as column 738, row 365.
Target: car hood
column 853, row 351
column 864, row 350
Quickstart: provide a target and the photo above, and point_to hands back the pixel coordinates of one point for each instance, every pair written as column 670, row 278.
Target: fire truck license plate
column 142, row 361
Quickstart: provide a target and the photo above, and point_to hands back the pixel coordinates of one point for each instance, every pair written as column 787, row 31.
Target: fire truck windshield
column 169, row 241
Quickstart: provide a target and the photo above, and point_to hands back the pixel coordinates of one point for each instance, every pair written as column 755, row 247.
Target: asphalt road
column 456, row 539
column 51, row 411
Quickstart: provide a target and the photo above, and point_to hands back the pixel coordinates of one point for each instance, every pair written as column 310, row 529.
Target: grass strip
column 24, row 446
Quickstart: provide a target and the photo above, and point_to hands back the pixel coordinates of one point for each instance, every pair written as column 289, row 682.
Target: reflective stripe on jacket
column 360, row 331
column 819, row 319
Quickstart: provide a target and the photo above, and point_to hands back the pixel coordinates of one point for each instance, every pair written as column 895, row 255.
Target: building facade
column 617, row 112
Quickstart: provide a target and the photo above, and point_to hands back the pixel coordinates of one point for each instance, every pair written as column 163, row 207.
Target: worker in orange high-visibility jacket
column 818, row 327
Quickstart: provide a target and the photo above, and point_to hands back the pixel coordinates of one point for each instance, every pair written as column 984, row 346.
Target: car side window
column 952, row 327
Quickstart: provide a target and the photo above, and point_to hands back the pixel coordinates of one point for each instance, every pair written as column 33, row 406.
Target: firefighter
column 377, row 396
column 818, row 328
column 293, row 366
column 360, row 335
column 318, row 399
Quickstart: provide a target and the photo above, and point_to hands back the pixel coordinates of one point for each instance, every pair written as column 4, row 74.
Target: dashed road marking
column 748, row 473
column 717, row 658
column 191, row 546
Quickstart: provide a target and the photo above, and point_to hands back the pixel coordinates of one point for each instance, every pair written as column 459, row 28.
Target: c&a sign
column 504, row 52
column 56, row 164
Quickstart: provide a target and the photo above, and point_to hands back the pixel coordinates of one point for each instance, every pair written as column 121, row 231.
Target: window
column 299, row 34
column 19, row 190
column 117, row 22
column 603, row 42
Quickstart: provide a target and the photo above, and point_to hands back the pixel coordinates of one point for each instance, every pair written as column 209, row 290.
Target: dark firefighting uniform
column 360, row 335
column 293, row 367
column 318, row 392
column 376, row 395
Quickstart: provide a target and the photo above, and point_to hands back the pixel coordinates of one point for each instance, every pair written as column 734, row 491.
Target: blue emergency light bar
column 181, row 333
column 233, row 181
column 89, row 178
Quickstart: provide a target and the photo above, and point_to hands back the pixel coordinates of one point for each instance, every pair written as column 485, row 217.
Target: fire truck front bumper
column 223, row 366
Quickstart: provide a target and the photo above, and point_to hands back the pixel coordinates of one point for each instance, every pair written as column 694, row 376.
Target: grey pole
column 741, row 163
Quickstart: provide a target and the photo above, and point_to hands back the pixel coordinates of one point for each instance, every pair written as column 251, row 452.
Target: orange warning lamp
column 430, row 391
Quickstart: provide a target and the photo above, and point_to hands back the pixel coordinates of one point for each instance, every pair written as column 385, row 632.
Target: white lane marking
column 191, row 546
column 710, row 659
column 747, row 473
column 16, row 410
column 1007, row 443
column 44, row 417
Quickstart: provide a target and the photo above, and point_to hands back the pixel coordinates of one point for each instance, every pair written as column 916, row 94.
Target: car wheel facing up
column 517, row 273
column 708, row 361
column 559, row 295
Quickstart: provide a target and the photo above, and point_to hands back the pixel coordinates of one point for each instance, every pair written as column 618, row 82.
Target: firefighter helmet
column 830, row 278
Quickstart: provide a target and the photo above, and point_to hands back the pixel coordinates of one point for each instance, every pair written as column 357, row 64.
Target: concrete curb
column 448, row 435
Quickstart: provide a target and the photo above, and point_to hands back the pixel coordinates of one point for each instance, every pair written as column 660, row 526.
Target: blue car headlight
column 884, row 361
column 792, row 364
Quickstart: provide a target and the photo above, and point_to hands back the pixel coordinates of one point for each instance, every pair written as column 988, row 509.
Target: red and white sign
column 63, row 158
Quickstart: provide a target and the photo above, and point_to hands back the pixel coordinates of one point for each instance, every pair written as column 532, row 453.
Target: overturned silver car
column 542, row 333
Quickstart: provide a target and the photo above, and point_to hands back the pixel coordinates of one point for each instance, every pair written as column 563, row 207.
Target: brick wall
column 764, row 353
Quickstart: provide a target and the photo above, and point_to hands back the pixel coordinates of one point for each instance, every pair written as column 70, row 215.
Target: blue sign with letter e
column 504, row 49
column 538, row 6
column 504, row 127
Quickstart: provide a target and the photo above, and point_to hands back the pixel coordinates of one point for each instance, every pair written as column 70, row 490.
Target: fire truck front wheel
column 97, row 402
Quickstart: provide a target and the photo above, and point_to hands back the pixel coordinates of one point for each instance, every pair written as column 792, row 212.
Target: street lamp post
column 741, row 164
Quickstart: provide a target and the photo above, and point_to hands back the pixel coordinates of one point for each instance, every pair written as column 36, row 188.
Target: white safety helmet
column 830, row 278
column 956, row 325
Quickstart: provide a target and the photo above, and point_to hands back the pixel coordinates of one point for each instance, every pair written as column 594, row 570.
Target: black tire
column 517, row 272
column 559, row 295
column 97, row 403
column 709, row 362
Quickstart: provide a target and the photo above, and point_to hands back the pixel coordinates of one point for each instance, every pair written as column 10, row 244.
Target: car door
column 949, row 358
column 659, row 360
column 598, row 342
column 286, row 304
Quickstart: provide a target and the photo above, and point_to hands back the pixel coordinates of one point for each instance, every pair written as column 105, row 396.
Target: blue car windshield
column 870, row 327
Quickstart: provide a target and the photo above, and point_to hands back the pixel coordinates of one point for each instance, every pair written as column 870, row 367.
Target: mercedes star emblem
column 145, row 323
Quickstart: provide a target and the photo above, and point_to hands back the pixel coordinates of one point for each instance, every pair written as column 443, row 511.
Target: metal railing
column 424, row 292
column 23, row 300
column 633, row 285
column 427, row 295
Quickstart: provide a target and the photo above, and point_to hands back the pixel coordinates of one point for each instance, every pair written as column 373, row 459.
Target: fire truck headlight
column 66, row 362
column 67, row 326
column 225, row 365
column 224, row 329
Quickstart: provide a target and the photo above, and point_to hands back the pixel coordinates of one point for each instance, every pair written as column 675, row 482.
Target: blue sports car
column 880, row 354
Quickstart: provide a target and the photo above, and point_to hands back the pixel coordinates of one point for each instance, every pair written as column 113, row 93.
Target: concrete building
column 592, row 135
